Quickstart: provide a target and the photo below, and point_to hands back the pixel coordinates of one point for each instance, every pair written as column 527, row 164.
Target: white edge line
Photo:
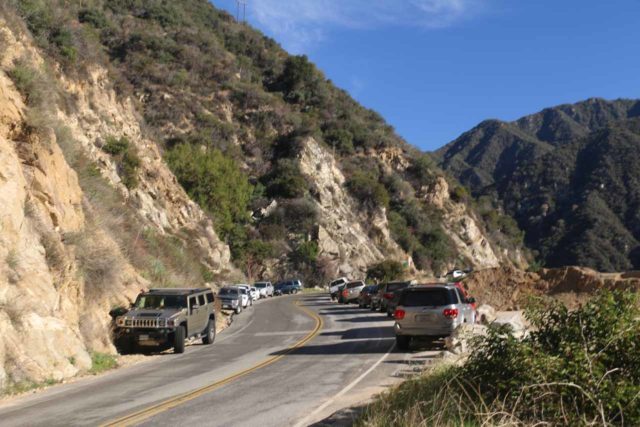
column 325, row 405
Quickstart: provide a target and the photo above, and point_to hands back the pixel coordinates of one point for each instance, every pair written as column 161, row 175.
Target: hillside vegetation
column 568, row 175
column 232, row 111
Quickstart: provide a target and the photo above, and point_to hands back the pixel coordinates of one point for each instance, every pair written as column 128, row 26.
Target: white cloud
column 299, row 24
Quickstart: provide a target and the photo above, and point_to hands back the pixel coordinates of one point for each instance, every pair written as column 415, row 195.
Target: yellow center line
column 145, row 414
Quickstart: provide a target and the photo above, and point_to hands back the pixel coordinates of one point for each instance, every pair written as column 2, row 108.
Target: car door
column 197, row 313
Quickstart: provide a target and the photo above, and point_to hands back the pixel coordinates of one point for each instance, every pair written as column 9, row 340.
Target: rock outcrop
column 341, row 234
column 61, row 270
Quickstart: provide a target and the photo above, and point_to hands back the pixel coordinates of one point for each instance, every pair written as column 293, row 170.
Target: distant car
column 246, row 297
column 364, row 300
column 386, row 292
column 291, row 287
column 231, row 298
column 277, row 288
column 430, row 312
column 351, row 292
column 265, row 288
column 334, row 285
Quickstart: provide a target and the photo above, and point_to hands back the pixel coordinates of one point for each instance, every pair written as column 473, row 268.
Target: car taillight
column 450, row 313
column 388, row 295
column 399, row 314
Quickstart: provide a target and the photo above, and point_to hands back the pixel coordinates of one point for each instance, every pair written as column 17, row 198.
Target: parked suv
column 231, row 298
column 386, row 292
column 289, row 287
column 335, row 285
column 364, row 300
column 431, row 312
column 351, row 292
column 165, row 318
column 265, row 288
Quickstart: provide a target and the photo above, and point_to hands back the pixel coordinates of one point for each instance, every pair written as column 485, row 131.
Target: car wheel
column 403, row 342
column 209, row 333
column 238, row 310
column 178, row 340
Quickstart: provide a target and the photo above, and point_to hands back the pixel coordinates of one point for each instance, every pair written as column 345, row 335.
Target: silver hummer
column 165, row 318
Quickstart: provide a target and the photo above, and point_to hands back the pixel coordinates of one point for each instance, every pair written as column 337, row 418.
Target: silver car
column 265, row 288
column 431, row 312
column 351, row 292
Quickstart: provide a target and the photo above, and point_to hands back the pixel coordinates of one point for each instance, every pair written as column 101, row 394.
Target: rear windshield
column 391, row 287
column 354, row 285
column 429, row 297
column 228, row 291
column 337, row 282
column 260, row 285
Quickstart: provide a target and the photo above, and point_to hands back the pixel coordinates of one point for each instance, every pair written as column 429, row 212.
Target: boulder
column 486, row 314
column 459, row 342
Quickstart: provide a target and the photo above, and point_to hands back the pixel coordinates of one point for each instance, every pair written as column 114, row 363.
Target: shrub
column 286, row 180
column 367, row 190
column 101, row 362
column 385, row 271
column 459, row 194
column 305, row 254
column 126, row 157
column 31, row 83
column 215, row 182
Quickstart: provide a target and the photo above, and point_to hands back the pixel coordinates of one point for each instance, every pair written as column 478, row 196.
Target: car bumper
column 438, row 331
column 150, row 337
column 229, row 305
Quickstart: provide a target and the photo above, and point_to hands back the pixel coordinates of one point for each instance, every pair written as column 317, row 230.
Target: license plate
column 425, row 318
column 143, row 338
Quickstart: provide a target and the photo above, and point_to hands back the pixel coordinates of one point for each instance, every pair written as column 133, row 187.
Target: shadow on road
column 355, row 333
column 378, row 346
column 365, row 319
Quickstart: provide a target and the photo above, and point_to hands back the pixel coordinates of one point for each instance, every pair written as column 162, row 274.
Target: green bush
column 101, row 362
column 215, row 182
column 126, row 157
column 386, row 271
column 305, row 254
column 286, row 180
column 367, row 190
column 31, row 83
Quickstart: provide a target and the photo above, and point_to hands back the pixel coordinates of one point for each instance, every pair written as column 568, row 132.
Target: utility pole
column 241, row 5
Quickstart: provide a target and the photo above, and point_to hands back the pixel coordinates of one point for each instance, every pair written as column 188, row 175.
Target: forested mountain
column 567, row 174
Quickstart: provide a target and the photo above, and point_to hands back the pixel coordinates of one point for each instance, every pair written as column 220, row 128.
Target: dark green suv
column 165, row 318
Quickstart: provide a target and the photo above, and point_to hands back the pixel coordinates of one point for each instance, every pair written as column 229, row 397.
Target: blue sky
column 436, row 68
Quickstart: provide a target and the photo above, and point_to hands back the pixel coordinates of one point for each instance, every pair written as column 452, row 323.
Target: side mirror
column 471, row 300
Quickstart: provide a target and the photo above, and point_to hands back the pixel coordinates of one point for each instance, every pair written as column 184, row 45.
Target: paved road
column 350, row 354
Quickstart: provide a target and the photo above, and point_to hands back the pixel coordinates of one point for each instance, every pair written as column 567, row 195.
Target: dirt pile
column 507, row 288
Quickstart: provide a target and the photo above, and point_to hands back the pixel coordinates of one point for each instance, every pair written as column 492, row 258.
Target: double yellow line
column 145, row 414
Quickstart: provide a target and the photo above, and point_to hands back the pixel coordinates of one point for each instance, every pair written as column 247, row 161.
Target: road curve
column 256, row 373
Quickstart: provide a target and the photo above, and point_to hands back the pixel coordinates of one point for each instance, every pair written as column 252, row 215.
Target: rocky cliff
column 64, row 264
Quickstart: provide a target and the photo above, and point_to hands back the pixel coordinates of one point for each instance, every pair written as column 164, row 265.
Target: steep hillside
column 240, row 121
column 566, row 174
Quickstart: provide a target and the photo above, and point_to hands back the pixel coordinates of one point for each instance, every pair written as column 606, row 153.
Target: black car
column 386, row 295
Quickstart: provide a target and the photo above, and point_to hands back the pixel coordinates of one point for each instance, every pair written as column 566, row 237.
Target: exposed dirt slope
column 508, row 288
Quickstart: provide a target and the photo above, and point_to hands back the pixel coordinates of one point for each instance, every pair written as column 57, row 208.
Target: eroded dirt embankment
column 507, row 288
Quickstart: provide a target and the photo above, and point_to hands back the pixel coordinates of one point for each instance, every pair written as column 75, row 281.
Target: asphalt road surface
column 285, row 361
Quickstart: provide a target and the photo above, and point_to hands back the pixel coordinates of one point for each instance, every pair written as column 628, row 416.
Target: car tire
column 403, row 342
column 238, row 310
column 178, row 340
column 209, row 333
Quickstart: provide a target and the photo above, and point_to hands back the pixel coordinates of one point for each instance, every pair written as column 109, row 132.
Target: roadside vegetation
column 575, row 368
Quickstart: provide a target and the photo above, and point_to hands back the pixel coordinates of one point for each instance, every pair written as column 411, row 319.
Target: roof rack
column 177, row 291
